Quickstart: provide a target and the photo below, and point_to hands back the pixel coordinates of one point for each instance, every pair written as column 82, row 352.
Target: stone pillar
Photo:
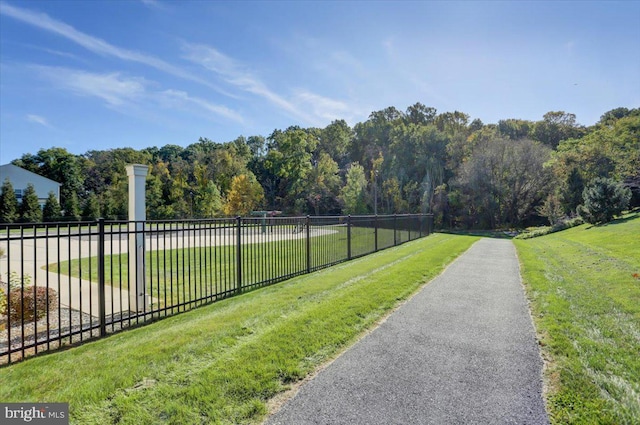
column 137, row 215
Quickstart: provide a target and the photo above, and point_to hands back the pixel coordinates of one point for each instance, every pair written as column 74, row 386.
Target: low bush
column 30, row 304
column 3, row 302
column 545, row 230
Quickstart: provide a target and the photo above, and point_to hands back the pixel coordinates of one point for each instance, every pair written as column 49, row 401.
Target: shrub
column 545, row 230
column 603, row 200
column 32, row 302
column 3, row 302
column 534, row 232
column 551, row 209
column 13, row 281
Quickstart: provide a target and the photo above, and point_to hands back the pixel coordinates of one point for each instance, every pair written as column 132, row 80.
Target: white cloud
column 96, row 45
column 56, row 52
column 238, row 75
column 322, row 107
column 213, row 60
column 114, row 88
column 347, row 62
column 179, row 98
column 118, row 90
column 389, row 46
column 38, row 119
column 151, row 3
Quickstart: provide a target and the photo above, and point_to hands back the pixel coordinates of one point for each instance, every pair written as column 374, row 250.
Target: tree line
column 467, row 173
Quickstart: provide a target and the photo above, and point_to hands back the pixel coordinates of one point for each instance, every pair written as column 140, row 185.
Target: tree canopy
column 469, row 173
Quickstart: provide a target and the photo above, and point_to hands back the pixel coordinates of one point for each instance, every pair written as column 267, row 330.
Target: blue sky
column 105, row 74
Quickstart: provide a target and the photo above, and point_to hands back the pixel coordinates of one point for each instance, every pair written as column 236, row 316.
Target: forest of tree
column 467, row 173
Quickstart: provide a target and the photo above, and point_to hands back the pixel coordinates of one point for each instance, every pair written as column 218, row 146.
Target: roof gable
column 9, row 170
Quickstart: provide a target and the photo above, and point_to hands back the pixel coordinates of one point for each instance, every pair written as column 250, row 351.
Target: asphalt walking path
column 461, row 351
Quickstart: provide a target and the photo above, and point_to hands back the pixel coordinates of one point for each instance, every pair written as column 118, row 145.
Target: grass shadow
column 494, row 234
column 633, row 214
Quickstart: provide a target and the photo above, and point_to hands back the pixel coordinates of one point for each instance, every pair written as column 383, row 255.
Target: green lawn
column 585, row 291
column 222, row 363
column 175, row 276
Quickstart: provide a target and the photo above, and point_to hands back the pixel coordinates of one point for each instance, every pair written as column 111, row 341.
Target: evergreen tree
column 51, row 210
column 91, row 209
column 573, row 192
column 603, row 200
column 108, row 207
column 30, row 211
column 72, row 208
column 8, row 203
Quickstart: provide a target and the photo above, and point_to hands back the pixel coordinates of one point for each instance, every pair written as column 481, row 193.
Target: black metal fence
column 63, row 283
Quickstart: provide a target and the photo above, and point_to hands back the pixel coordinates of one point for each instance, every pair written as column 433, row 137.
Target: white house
column 20, row 178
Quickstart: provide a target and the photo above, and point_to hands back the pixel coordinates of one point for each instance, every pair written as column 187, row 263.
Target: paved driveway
column 29, row 256
column 462, row 351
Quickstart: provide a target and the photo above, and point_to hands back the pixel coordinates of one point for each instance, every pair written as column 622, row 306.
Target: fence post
column 375, row 231
column 308, row 244
column 349, row 237
column 395, row 229
column 424, row 230
column 238, row 254
column 101, row 295
column 137, row 216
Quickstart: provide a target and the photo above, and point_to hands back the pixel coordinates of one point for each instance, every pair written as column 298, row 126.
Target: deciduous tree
column 322, row 186
column 515, row 129
column 334, row 140
column 288, row 160
column 63, row 167
column 503, row 181
column 555, row 127
column 420, row 114
column 245, row 195
column 354, row 193
column 208, row 201
column 392, row 200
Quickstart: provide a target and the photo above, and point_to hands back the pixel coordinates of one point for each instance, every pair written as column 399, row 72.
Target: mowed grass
column 222, row 363
column 584, row 285
column 181, row 275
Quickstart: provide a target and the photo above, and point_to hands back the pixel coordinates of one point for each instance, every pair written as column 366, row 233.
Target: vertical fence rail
column 239, row 254
column 102, row 303
column 64, row 283
column 395, row 230
column 375, row 229
column 308, row 242
column 349, row 238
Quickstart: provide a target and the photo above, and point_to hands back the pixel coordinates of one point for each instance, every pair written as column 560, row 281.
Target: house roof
column 10, row 169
